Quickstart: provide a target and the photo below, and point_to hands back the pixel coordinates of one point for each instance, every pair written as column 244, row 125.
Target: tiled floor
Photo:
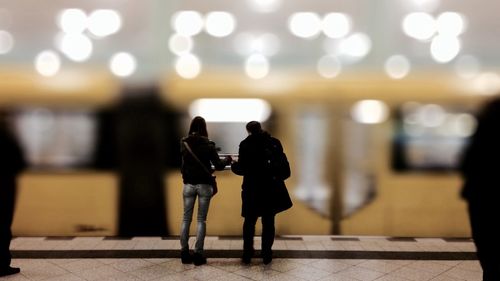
column 342, row 258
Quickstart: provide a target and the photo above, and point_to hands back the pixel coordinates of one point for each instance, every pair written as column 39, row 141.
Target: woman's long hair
column 198, row 126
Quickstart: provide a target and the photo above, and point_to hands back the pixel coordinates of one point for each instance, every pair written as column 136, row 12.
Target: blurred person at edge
column 11, row 164
column 481, row 172
column 197, row 183
column 264, row 167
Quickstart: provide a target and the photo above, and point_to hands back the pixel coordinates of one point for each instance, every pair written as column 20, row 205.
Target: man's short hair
column 254, row 127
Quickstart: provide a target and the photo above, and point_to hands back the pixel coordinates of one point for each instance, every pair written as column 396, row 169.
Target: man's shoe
column 9, row 271
column 186, row 257
column 199, row 259
column 267, row 257
column 247, row 257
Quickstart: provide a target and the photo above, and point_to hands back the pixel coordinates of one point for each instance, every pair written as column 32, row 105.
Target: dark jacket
column 192, row 171
column 12, row 160
column 262, row 192
column 480, row 164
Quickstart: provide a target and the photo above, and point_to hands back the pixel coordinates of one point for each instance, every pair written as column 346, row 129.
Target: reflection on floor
column 297, row 258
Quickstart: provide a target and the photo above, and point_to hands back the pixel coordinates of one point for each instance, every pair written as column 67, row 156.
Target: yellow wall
column 77, row 87
column 55, row 204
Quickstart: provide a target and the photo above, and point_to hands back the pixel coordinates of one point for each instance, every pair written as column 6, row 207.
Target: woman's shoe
column 199, row 259
column 186, row 257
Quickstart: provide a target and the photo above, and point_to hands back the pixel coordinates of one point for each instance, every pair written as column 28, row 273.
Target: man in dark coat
column 481, row 171
column 11, row 163
column 264, row 168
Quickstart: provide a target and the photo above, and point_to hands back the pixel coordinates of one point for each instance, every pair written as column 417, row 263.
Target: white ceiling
column 146, row 29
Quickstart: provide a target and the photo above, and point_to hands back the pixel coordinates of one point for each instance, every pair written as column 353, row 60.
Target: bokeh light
column 336, row 25
column 246, row 44
column 397, row 66
column 445, row 48
column 123, row 64
column 180, row 44
column 6, row 42
column 421, row 26
column 329, row 66
column 450, row 24
column 231, row 110
column 76, row 47
column 104, row 22
column 47, row 63
column 369, row 111
column 486, row 83
column 304, row 24
column 431, row 115
column 187, row 23
column 464, row 125
column 72, row 20
column 257, row 66
column 188, row 66
column 220, row 24
column 358, row 45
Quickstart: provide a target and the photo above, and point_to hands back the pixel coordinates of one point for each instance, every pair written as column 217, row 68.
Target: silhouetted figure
column 11, row 164
column 198, row 153
column 136, row 138
column 481, row 171
column 141, row 158
column 264, row 167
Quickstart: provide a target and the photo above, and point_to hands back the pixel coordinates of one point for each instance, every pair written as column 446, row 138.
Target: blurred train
column 369, row 155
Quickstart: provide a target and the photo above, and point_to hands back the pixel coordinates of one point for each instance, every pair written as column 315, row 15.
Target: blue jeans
column 189, row 193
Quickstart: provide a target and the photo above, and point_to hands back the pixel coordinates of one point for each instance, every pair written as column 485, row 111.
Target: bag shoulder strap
column 196, row 158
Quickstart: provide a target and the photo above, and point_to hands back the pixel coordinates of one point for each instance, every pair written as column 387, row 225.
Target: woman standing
column 198, row 153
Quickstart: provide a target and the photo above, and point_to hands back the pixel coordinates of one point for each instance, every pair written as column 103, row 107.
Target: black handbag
column 213, row 181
